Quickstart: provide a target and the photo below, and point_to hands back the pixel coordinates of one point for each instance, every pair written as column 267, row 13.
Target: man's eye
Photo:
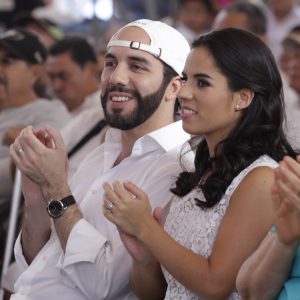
column 138, row 67
column 109, row 64
column 7, row 61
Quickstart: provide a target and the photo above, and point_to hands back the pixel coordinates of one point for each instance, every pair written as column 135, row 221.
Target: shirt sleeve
column 54, row 115
column 95, row 259
column 20, row 259
column 96, row 264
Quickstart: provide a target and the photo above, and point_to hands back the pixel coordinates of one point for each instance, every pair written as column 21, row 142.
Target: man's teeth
column 119, row 99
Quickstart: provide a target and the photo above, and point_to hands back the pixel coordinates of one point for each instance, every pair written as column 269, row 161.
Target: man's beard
column 146, row 107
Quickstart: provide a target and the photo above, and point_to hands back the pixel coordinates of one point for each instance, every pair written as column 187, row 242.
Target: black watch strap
column 67, row 201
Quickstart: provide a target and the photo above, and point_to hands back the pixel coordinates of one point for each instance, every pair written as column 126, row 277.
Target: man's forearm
column 148, row 281
column 65, row 224
column 264, row 273
column 35, row 233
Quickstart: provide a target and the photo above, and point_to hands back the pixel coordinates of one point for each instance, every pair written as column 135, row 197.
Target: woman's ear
column 173, row 89
column 244, row 99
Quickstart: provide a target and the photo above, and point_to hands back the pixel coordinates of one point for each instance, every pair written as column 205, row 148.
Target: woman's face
column 208, row 106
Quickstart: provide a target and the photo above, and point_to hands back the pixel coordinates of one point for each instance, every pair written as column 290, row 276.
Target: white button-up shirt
column 95, row 264
column 91, row 101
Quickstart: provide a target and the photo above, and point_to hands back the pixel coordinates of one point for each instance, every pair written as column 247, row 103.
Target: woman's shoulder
column 264, row 160
column 260, row 169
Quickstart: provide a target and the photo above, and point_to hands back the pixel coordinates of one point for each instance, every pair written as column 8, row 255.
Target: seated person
column 221, row 211
column 75, row 252
column 73, row 72
column 21, row 58
column 273, row 270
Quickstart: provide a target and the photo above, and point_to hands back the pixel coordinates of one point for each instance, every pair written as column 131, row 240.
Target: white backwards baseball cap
column 166, row 43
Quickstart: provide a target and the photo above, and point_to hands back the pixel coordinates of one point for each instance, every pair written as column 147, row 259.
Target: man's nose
column 119, row 76
column 57, row 84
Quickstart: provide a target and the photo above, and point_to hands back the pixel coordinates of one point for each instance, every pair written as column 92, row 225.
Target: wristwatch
column 56, row 208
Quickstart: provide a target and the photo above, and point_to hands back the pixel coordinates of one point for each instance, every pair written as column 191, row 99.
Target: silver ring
column 109, row 206
column 20, row 151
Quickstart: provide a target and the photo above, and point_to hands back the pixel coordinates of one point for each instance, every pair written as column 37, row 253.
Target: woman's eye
column 202, row 83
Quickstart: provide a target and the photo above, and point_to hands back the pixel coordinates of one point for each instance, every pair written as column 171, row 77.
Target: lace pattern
column 196, row 229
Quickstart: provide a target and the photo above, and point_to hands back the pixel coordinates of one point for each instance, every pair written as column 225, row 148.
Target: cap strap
column 136, row 45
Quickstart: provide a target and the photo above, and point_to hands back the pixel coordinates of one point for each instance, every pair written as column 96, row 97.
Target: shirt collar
column 170, row 136
column 167, row 137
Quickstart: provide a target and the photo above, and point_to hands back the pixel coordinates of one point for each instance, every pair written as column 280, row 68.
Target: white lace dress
column 196, row 229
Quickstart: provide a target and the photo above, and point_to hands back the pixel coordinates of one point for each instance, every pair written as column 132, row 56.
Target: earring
column 237, row 108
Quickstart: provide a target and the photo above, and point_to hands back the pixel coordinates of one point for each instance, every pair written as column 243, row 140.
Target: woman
column 232, row 96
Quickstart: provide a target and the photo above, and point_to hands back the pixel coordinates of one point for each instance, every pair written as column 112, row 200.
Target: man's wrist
column 56, row 192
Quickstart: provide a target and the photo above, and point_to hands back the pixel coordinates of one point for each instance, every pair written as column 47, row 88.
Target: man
column 193, row 18
column 82, row 257
column 48, row 33
column 291, row 45
column 73, row 71
column 243, row 15
column 22, row 58
column 282, row 16
column 21, row 62
column 288, row 50
column 72, row 68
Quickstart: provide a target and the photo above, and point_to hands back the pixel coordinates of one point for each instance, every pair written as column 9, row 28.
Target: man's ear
column 38, row 70
column 243, row 99
column 91, row 68
column 173, row 89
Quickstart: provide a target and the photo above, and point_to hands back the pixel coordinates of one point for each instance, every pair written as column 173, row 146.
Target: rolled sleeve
column 83, row 245
column 97, row 265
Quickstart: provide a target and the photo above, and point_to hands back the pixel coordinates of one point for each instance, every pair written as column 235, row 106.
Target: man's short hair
column 256, row 18
column 79, row 49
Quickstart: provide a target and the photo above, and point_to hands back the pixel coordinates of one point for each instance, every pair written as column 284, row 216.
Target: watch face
column 55, row 208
